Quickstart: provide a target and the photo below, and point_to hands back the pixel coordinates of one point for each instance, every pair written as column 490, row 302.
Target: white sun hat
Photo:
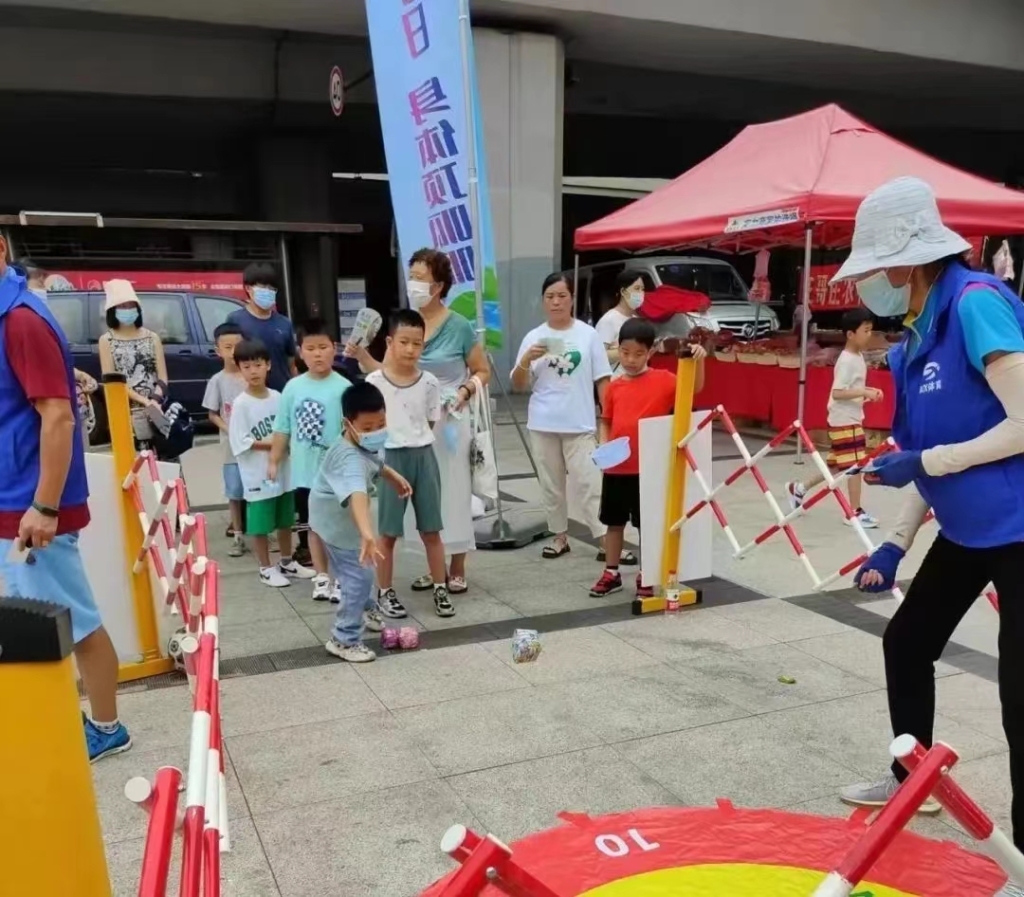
column 119, row 292
column 899, row 224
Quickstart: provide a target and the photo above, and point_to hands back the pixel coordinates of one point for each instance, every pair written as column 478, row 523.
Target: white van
column 730, row 309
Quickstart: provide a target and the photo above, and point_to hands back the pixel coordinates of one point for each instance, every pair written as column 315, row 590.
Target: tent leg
column 576, row 290
column 805, row 324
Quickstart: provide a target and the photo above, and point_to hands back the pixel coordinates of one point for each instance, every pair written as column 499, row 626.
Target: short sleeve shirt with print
column 562, row 400
column 851, row 372
column 252, row 421
column 344, row 471
column 411, row 409
column 629, row 400
column 221, row 392
column 36, row 360
column 310, row 415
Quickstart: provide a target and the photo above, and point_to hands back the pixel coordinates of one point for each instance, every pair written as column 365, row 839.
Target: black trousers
column 948, row 583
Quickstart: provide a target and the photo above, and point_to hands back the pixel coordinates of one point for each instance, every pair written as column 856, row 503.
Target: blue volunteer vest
column 19, row 422
column 942, row 399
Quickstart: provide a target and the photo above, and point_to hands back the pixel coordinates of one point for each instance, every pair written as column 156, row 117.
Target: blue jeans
column 56, row 574
column 358, row 584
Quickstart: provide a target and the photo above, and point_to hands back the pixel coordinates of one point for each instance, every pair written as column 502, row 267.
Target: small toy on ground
column 408, row 638
column 526, row 646
column 389, row 639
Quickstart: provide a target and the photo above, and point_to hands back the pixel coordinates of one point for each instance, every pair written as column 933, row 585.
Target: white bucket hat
column 119, row 292
column 897, row 225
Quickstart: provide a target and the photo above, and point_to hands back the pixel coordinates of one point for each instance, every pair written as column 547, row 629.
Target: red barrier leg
column 163, row 812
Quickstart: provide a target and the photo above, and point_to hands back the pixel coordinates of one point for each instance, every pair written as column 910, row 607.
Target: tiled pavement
column 342, row 779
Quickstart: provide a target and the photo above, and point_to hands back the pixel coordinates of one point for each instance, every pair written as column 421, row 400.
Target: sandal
column 626, row 559
column 424, row 584
column 457, row 585
column 556, row 549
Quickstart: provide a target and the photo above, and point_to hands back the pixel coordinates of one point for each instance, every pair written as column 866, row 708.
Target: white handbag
column 482, row 464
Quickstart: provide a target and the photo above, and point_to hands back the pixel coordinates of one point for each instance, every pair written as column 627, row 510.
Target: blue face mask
column 264, row 297
column 373, row 442
column 126, row 316
column 881, row 298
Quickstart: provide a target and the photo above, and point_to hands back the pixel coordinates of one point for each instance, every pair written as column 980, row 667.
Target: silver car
column 730, row 309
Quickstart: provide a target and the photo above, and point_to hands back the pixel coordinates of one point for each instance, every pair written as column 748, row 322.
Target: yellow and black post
column 122, row 443
column 50, row 836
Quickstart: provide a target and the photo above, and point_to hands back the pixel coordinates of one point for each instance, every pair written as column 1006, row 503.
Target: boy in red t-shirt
column 640, row 392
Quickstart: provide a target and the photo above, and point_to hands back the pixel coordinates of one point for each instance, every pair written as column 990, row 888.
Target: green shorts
column 265, row 517
column 419, row 467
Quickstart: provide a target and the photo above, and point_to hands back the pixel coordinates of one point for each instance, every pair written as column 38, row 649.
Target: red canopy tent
column 797, row 181
column 771, row 181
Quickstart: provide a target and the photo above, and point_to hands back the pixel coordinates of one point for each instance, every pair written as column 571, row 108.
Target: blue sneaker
column 106, row 744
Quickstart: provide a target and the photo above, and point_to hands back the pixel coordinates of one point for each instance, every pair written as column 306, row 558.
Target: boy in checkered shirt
column 307, row 425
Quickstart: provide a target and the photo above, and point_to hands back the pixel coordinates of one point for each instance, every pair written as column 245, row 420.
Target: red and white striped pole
column 215, row 774
column 891, row 820
column 162, row 805
column 154, row 525
column 976, row 822
column 198, row 758
column 188, row 530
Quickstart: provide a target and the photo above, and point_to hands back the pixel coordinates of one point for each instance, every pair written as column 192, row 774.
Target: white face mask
column 418, row 292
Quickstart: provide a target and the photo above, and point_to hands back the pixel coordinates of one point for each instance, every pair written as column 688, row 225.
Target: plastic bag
column 526, row 646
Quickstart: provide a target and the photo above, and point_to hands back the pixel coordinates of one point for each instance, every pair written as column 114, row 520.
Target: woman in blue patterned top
column 454, row 355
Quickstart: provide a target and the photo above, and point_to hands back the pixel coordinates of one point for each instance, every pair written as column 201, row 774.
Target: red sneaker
column 643, row 591
column 608, row 584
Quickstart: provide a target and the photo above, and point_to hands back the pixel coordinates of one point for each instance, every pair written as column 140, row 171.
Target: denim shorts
column 53, row 574
column 233, row 488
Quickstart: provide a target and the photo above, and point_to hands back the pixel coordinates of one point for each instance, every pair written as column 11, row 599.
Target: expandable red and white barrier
column 832, row 485
column 487, row 861
column 929, row 776
column 193, row 587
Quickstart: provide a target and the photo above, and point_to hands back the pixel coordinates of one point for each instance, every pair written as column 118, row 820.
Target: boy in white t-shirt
column 413, row 400
column 846, row 414
column 271, row 503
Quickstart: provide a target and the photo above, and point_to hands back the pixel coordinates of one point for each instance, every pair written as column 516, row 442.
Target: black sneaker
column 389, row 605
column 442, row 603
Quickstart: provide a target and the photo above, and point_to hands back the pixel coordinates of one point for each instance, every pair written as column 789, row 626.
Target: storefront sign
column 827, row 296
column 418, row 73
column 221, row 283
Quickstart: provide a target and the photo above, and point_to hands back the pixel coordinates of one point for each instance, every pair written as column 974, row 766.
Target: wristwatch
column 46, row 510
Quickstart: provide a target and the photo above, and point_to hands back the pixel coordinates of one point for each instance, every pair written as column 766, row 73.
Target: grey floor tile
column 293, row 698
column 973, row 701
column 857, row 652
column 750, row 678
column 302, row 603
column 682, row 636
column 563, row 595
column 476, row 606
column 573, row 654
column 513, row 801
column 492, row 730
column 987, row 781
column 243, row 639
column 123, row 821
column 744, row 760
column 257, row 608
column 856, row 732
column 780, row 620
column 157, row 719
column 245, row 871
column 639, row 703
column 380, row 845
column 427, row 676
column 323, row 761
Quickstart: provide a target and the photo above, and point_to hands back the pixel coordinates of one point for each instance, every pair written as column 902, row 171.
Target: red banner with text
column 221, row 283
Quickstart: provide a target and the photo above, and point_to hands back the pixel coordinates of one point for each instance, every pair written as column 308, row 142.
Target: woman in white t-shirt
column 630, row 288
column 562, row 360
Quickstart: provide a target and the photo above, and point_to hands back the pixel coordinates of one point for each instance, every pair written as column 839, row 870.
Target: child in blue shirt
column 341, row 517
column 308, row 423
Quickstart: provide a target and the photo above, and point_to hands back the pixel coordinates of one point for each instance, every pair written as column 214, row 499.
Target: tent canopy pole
column 805, row 301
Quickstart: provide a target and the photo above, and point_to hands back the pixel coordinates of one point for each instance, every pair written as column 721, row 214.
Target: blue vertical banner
column 417, row 64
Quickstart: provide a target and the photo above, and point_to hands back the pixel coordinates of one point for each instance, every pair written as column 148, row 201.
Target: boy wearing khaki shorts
column 413, row 400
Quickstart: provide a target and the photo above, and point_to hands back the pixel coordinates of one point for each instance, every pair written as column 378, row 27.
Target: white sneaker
column 358, row 653
column 373, row 620
column 295, row 570
column 273, row 577
column 866, row 520
column 796, row 494
column 322, row 588
column 336, row 592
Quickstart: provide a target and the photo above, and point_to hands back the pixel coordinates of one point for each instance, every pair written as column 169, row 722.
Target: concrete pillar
column 521, row 83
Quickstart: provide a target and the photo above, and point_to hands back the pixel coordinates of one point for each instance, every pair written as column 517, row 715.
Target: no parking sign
column 337, row 91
